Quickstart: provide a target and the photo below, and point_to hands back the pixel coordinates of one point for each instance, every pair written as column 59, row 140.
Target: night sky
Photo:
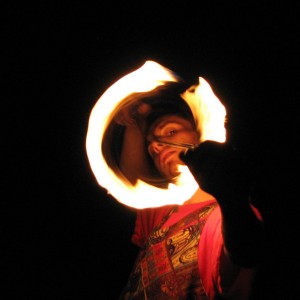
column 64, row 236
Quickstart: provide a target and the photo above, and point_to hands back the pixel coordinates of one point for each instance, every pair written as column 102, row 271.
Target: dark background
column 64, row 237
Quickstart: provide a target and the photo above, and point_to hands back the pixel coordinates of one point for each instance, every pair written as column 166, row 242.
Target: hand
column 219, row 170
column 222, row 171
column 133, row 158
column 132, row 114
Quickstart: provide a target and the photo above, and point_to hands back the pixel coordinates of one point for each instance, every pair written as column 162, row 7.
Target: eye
column 171, row 132
column 167, row 129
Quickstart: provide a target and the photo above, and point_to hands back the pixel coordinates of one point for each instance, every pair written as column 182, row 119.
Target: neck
column 199, row 196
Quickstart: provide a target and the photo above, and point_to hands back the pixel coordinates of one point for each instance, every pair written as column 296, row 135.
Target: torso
column 167, row 267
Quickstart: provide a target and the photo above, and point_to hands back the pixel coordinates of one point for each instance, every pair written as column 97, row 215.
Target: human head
column 163, row 138
column 164, row 101
column 168, row 112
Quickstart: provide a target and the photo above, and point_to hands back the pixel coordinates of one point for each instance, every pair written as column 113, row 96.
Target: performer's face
column 172, row 129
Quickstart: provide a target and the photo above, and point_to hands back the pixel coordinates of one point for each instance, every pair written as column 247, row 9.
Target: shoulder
column 146, row 220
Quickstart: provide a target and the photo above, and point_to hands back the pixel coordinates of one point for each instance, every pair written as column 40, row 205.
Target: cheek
column 195, row 138
column 190, row 137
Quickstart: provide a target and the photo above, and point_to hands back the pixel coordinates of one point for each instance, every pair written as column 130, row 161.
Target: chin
column 172, row 171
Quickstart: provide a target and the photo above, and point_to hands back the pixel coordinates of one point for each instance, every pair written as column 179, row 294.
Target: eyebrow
column 163, row 122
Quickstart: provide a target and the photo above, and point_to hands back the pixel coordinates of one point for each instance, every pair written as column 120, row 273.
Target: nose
column 156, row 146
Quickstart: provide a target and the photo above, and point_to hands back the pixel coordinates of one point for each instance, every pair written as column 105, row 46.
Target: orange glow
column 209, row 115
column 208, row 112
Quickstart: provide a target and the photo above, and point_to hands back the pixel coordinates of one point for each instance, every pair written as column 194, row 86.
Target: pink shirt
column 236, row 282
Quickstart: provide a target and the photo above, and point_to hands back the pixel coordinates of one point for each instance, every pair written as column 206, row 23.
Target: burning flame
column 209, row 115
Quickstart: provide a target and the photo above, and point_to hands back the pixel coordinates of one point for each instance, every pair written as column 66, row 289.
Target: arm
column 133, row 155
column 221, row 171
column 242, row 232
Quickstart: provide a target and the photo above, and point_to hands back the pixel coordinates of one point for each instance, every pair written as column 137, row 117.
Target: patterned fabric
column 167, row 267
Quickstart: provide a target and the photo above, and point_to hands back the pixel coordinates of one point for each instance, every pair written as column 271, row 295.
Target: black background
column 64, row 237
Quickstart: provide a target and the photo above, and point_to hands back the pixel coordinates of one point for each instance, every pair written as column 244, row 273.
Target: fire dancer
column 211, row 245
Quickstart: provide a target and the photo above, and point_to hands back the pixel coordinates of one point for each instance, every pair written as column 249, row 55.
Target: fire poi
column 209, row 116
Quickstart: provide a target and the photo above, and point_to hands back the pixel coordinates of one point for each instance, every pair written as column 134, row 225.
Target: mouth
column 166, row 155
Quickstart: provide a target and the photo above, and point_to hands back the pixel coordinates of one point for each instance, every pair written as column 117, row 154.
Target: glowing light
column 209, row 115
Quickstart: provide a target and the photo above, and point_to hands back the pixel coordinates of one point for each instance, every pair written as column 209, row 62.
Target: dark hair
column 168, row 101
